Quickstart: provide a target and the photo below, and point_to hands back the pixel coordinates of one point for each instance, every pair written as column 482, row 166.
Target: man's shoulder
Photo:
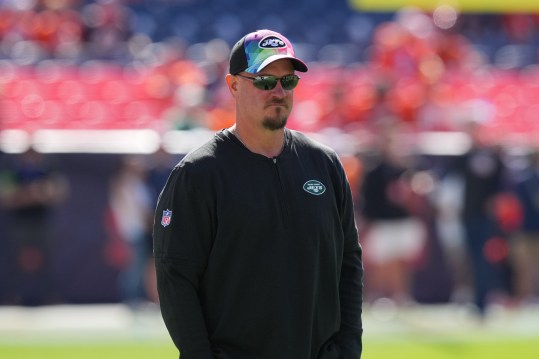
column 307, row 142
column 207, row 151
column 204, row 157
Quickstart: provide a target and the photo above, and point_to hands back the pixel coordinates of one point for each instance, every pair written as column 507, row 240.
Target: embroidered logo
column 314, row 187
column 167, row 216
column 271, row 42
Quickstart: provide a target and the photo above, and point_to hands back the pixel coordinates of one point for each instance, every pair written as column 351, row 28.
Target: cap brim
column 298, row 64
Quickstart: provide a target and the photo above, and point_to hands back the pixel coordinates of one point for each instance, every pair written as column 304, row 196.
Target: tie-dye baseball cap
column 258, row 49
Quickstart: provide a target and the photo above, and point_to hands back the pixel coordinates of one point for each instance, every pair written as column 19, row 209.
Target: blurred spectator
column 393, row 237
column 433, row 276
column 131, row 206
column 525, row 241
column 520, row 28
column 30, row 31
column 29, row 193
column 482, row 172
column 160, row 165
column 353, row 167
column 449, row 198
column 107, row 28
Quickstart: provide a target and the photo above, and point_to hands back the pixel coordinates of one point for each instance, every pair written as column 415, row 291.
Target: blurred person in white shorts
column 393, row 237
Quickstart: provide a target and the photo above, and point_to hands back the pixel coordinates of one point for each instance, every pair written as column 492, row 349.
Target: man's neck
column 269, row 143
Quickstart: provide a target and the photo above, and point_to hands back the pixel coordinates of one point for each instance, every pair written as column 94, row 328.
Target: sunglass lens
column 269, row 82
column 289, row 82
column 265, row 82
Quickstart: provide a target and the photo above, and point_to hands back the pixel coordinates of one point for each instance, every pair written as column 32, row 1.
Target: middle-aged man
column 255, row 241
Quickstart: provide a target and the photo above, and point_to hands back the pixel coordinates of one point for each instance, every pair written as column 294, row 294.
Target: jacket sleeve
column 182, row 241
column 349, row 337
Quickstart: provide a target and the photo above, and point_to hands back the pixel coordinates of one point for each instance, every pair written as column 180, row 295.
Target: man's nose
column 278, row 90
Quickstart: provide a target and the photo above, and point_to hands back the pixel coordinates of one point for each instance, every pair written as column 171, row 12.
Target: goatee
column 275, row 123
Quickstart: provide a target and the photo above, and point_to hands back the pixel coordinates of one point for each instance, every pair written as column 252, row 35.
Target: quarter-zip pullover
column 259, row 257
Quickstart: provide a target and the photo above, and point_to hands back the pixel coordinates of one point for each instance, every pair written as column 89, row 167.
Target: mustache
column 281, row 102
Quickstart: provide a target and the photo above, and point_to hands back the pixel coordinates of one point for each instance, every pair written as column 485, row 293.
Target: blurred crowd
column 160, row 64
column 439, row 228
column 59, row 231
column 78, row 30
column 459, row 228
column 434, row 229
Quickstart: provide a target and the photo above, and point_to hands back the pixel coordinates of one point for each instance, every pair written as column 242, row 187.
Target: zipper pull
column 274, row 160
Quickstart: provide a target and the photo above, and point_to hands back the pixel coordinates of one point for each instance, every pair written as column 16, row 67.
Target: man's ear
column 232, row 83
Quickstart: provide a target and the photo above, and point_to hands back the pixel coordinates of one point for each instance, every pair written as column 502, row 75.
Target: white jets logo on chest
column 314, row 187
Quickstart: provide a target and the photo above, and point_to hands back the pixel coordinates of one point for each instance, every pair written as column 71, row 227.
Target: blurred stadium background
column 90, row 88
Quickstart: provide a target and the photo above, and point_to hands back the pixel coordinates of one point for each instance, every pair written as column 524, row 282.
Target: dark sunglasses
column 267, row 82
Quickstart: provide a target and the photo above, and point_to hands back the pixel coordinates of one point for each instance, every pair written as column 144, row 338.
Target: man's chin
column 275, row 124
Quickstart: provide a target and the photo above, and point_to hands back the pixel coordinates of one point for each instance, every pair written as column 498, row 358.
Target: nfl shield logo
column 167, row 215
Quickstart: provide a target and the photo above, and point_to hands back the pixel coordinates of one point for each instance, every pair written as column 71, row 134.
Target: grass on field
column 412, row 348
column 420, row 333
column 452, row 349
column 87, row 351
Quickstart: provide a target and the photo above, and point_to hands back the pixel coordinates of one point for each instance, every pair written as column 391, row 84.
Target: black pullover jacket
column 259, row 257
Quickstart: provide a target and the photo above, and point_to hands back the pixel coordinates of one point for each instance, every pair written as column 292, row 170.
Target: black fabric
column 482, row 172
column 378, row 203
column 238, row 59
column 254, row 266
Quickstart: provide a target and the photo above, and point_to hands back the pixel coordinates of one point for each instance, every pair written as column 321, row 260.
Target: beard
column 276, row 122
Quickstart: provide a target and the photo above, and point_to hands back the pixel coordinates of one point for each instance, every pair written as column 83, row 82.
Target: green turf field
column 403, row 348
column 416, row 348
column 86, row 351
column 417, row 333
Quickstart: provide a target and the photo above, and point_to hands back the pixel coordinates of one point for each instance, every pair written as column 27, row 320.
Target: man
column 484, row 177
column 255, row 241
column 31, row 189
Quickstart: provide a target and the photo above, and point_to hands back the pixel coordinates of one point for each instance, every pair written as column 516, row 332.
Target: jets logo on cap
column 271, row 42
